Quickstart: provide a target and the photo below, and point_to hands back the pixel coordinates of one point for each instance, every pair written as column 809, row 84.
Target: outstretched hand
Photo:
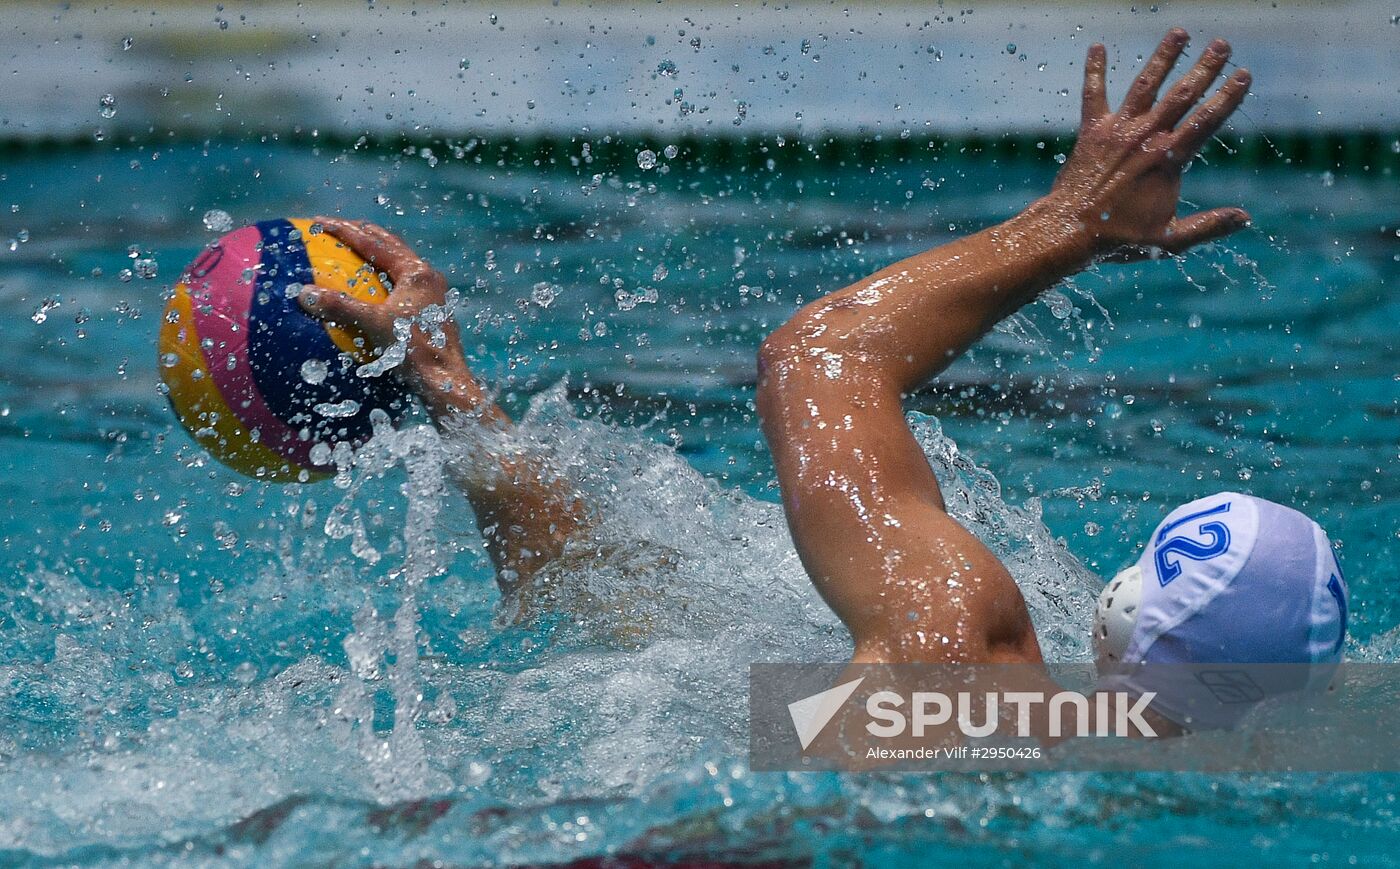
column 1123, row 179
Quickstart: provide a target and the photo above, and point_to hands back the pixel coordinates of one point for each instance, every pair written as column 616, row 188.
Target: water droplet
column 338, row 409
column 218, row 220
column 145, row 267
column 542, row 294
column 667, row 68
column 1060, row 305
column 1010, row 48
column 127, row 43
column 107, row 106
column 671, row 151
column 321, row 453
column 477, row 773
column 314, row 371
column 647, row 159
column 42, row 312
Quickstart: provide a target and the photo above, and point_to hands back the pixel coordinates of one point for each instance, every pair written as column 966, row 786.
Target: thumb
column 1186, row 232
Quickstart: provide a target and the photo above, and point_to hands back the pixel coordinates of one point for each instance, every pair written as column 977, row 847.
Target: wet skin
column 863, row 506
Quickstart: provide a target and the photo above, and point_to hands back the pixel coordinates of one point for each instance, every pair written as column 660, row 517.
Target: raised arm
column 525, row 514
column 863, row 505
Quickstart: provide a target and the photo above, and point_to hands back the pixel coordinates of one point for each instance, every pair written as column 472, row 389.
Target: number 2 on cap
column 1186, row 547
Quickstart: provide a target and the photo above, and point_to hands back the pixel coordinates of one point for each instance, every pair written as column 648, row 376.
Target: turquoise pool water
column 200, row 669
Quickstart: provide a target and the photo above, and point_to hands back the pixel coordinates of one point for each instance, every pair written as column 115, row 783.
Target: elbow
column 794, row 343
column 781, row 355
column 774, row 355
column 801, row 361
column 788, row 363
column 777, row 350
column 828, row 347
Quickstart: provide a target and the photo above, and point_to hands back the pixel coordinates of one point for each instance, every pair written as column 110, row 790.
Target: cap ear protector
column 1116, row 615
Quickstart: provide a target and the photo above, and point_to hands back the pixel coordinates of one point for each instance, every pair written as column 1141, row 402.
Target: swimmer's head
column 1228, row 579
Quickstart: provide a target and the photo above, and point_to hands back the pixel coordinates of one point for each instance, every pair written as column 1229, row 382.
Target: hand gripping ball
column 266, row 388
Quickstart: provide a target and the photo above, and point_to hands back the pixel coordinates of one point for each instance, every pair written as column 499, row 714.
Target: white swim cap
column 1228, row 579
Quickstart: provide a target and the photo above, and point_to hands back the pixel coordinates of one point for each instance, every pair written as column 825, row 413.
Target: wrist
column 439, row 374
column 422, row 358
column 1062, row 231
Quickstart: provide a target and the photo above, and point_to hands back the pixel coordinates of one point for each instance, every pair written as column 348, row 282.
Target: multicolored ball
column 266, row 388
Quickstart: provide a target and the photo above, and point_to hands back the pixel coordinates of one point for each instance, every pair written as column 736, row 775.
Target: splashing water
column 397, row 763
column 653, row 619
column 206, row 671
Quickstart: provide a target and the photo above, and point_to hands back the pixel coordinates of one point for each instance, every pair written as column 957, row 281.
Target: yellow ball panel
column 337, row 267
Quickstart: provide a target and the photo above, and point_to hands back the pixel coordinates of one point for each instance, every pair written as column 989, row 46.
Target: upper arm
column 866, row 514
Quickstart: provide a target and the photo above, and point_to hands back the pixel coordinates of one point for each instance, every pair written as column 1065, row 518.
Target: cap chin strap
column 1116, row 615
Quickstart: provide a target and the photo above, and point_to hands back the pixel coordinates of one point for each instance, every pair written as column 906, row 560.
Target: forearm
column 439, row 376
column 911, row 320
column 525, row 514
